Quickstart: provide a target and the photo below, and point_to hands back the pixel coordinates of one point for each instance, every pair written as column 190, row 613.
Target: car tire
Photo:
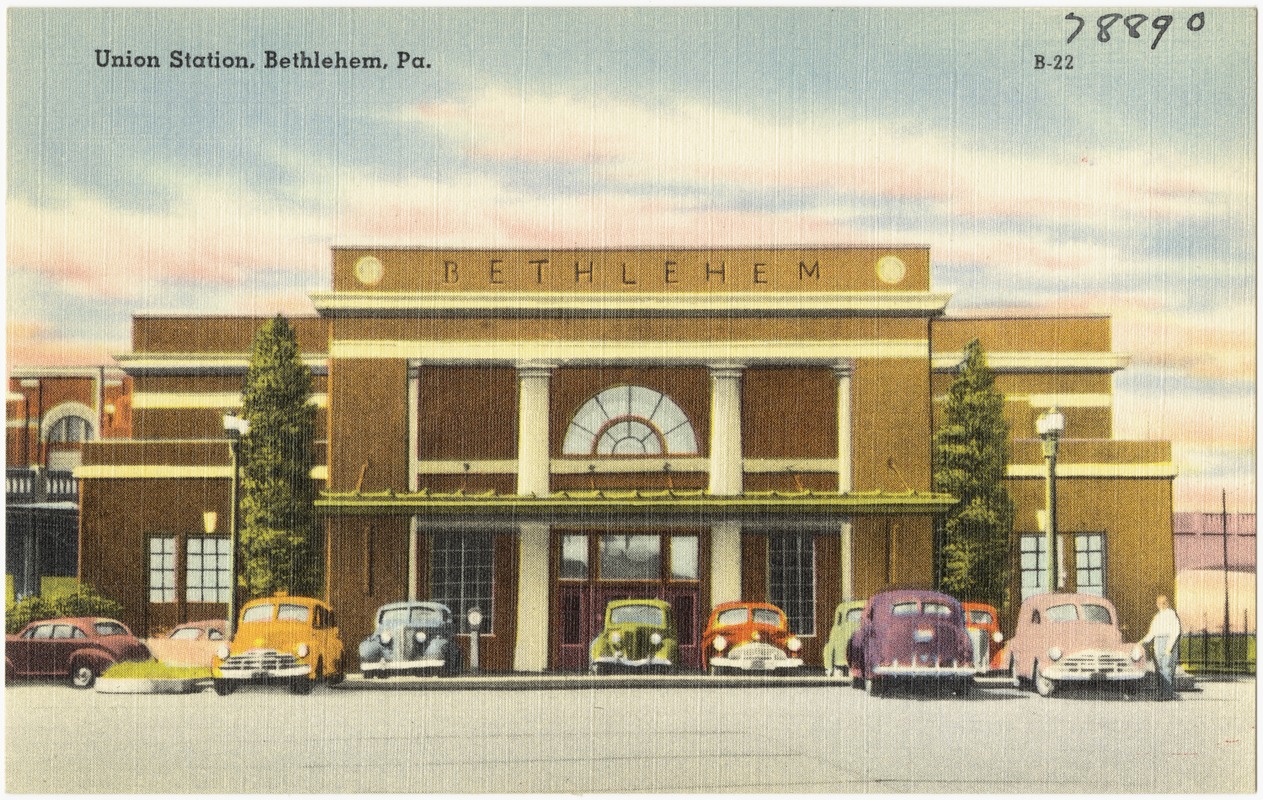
column 1014, row 676
column 224, row 687
column 338, row 675
column 82, row 676
column 1044, row 686
column 873, row 686
column 301, row 685
column 963, row 687
column 831, row 669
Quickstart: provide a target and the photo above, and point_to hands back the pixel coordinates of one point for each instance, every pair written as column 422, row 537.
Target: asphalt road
column 659, row 739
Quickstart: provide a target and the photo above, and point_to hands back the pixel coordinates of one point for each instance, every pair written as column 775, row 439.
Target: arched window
column 69, row 429
column 630, row 421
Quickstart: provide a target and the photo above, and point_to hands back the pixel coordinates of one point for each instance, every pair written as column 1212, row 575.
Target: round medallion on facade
column 368, row 270
column 891, row 269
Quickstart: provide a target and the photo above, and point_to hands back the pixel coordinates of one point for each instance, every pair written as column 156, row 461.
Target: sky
column 1122, row 186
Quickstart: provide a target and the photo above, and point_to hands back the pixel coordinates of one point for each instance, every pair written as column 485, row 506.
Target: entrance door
column 597, row 568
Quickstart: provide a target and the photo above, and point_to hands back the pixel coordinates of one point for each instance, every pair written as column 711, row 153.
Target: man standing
column 1164, row 632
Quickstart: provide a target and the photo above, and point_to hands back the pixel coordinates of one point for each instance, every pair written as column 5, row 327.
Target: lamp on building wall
column 235, row 427
column 1050, row 426
column 210, row 521
column 474, row 618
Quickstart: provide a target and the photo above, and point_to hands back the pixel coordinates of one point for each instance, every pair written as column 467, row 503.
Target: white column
column 414, row 445
column 725, row 562
column 413, row 534
column 843, row 373
column 530, row 651
column 725, row 430
column 532, row 435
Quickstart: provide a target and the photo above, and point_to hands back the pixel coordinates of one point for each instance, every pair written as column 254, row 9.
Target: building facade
column 536, row 433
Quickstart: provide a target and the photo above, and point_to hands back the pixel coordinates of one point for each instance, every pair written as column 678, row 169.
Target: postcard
column 631, row 400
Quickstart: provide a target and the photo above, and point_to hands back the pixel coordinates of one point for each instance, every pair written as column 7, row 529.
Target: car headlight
column 386, row 637
column 1137, row 653
column 616, row 637
column 302, row 650
column 720, row 643
column 420, row 637
column 1054, row 653
column 997, row 637
column 221, row 652
column 794, row 644
column 655, row 638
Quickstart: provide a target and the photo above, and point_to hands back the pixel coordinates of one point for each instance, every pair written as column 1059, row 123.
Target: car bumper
column 756, row 664
column 401, row 666
column 1057, row 674
column 634, row 663
column 899, row 671
column 247, row 674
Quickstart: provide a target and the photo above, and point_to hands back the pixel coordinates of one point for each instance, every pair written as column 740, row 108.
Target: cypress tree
column 278, row 524
column 971, row 454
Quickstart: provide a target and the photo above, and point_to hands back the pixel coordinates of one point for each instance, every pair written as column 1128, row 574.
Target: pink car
column 1071, row 637
column 191, row 644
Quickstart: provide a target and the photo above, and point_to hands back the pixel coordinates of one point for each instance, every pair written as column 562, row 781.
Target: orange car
column 749, row 637
column 983, row 624
column 281, row 639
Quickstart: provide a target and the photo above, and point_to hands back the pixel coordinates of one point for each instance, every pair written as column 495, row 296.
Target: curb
column 148, row 685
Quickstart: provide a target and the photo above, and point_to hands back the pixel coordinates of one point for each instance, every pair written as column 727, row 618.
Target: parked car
column 749, row 637
column 911, row 634
column 285, row 639
column 638, row 635
column 411, row 638
column 983, row 624
column 1071, row 637
column 190, row 644
column 78, row 648
column 846, row 619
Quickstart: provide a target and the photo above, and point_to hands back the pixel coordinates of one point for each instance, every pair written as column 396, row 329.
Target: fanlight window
column 630, row 421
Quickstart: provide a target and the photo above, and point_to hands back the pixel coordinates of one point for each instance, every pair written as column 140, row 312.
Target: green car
column 846, row 618
column 638, row 635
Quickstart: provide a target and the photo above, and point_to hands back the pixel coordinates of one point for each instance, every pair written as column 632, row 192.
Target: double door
column 593, row 569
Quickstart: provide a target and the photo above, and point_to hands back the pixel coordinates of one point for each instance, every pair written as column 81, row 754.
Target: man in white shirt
column 1164, row 632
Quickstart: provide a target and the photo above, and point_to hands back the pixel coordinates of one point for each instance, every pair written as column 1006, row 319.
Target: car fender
column 370, row 650
column 99, row 659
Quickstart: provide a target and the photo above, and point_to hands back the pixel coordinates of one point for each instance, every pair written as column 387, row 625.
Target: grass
column 154, row 669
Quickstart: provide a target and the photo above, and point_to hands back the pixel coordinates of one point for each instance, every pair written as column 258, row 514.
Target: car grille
column 261, row 661
column 1092, row 663
column 756, row 651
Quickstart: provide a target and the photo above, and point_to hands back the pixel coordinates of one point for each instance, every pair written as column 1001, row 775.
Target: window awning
column 633, row 503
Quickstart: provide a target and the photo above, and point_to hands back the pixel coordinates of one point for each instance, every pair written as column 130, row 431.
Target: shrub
column 154, row 669
column 84, row 601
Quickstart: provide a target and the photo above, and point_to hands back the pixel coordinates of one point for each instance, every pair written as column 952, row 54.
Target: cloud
column 702, row 146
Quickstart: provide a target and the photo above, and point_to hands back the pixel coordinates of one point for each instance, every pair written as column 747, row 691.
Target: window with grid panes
column 1034, row 564
column 1089, row 557
column 461, row 573
column 207, row 569
column 162, row 569
column 792, row 579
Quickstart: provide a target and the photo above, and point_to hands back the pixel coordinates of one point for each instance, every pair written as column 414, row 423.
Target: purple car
column 910, row 634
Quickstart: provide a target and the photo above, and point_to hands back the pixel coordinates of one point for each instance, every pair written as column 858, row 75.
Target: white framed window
column 207, row 569
column 1089, row 557
column 161, row 569
column 791, row 579
column 462, row 573
column 630, row 421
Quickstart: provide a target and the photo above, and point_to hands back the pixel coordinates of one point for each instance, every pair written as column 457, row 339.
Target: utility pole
column 1227, row 619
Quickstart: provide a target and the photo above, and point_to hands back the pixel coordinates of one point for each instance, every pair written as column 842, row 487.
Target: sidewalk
column 549, row 682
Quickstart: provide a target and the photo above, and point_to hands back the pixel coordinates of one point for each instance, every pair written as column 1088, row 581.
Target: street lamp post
column 475, row 627
column 235, row 427
column 1050, row 425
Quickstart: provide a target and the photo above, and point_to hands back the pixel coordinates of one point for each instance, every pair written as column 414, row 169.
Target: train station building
column 538, row 432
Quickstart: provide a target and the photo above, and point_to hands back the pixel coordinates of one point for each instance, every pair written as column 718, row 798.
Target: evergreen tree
column 278, row 524
column 971, row 453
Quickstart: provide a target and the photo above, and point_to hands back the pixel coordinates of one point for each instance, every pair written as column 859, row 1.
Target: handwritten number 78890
column 1132, row 23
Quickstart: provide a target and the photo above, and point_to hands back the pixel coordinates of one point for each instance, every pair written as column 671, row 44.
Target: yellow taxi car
column 281, row 639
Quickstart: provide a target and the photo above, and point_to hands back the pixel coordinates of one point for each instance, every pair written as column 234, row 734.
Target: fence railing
column 1205, row 652
column 23, row 485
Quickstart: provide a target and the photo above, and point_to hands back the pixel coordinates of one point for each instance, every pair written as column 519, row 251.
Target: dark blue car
column 411, row 638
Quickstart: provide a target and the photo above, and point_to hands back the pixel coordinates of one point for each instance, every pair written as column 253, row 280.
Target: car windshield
column 107, row 628
column 259, row 613
column 766, row 616
column 733, row 616
column 904, row 609
column 1063, row 613
column 1095, row 613
column 855, row 615
column 644, row 615
column 186, row 633
column 419, row 614
column 980, row 617
column 292, row 612
column 936, row 610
